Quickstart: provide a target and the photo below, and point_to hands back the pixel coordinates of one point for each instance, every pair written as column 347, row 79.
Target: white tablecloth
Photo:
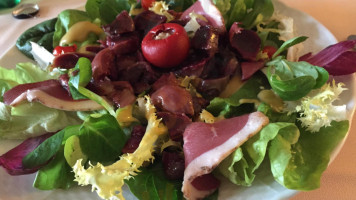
column 339, row 180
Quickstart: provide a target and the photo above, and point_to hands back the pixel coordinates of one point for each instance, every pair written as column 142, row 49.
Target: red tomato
column 147, row 3
column 61, row 50
column 270, row 50
column 166, row 45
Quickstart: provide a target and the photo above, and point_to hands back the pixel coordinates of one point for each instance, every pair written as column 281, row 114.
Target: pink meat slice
column 206, row 145
column 209, row 11
column 51, row 94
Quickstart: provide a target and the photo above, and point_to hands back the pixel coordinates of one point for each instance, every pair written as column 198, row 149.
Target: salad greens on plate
column 106, row 112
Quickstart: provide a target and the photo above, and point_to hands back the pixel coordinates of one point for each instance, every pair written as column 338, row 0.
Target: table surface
column 339, row 180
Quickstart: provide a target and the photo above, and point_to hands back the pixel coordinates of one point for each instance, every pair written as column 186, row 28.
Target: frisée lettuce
column 108, row 180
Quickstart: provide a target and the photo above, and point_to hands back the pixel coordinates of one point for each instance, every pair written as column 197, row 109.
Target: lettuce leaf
column 23, row 73
column 42, row 34
column 65, row 20
column 248, row 12
column 298, row 163
column 241, row 165
column 33, row 119
column 107, row 10
column 29, row 119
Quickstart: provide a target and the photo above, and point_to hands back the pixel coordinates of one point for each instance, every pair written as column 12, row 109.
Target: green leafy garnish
column 65, row 20
column 56, row 174
column 288, row 44
column 293, row 80
column 79, row 78
column 151, row 183
column 107, row 10
column 101, row 138
column 241, row 165
column 249, row 91
column 248, row 12
column 297, row 163
column 42, row 34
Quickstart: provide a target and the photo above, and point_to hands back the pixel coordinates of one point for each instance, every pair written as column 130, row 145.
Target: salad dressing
column 124, row 116
column 79, row 32
column 270, row 98
column 207, row 117
column 233, row 85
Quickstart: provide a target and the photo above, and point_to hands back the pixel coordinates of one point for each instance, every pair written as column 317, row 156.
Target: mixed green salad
column 127, row 131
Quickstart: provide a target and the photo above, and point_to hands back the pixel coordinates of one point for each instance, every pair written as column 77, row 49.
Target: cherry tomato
column 61, row 50
column 147, row 3
column 270, row 50
column 166, row 45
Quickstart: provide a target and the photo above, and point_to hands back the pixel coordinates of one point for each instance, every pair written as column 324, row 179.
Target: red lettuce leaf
column 11, row 161
column 338, row 59
column 250, row 68
column 343, row 65
column 246, row 42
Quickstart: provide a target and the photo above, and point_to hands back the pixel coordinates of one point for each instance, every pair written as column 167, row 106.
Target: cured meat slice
column 51, row 94
column 209, row 11
column 206, row 145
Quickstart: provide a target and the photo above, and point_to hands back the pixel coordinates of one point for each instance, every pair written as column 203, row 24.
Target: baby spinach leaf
column 79, row 79
column 83, row 74
column 293, row 80
column 289, row 43
column 73, row 151
column 42, row 34
column 50, row 147
column 250, row 90
column 101, row 138
column 323, row 77
column 92, row 8
column 57, row 174
column 268, row 37
column 151, row 183
column 107, row 10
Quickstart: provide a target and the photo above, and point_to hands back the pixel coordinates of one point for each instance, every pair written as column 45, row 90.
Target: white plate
column 264, row 187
